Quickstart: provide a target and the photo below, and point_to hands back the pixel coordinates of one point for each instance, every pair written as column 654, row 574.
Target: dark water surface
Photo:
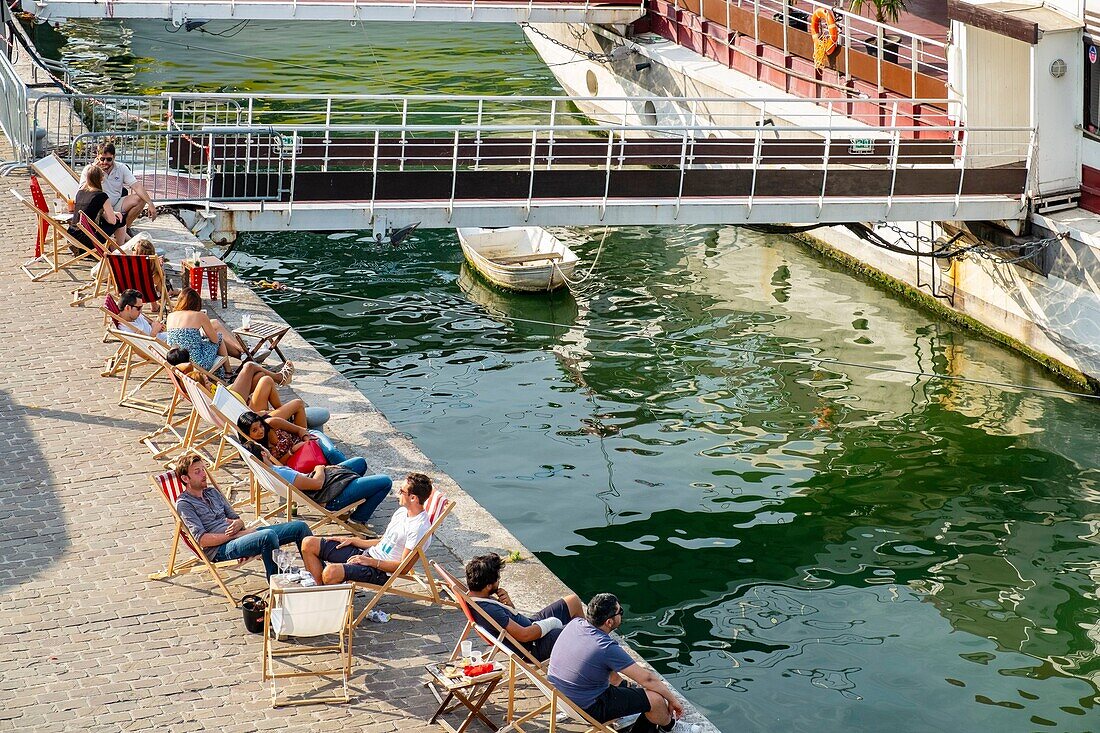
column 797, row 548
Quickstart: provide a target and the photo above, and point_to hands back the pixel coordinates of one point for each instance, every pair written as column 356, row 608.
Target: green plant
column 886, row 11
column 514, row 556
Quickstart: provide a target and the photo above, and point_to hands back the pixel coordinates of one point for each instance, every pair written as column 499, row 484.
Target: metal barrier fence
column 220, row 164
column 13, row 114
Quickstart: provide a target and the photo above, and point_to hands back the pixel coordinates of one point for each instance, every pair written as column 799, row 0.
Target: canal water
column 798, row 548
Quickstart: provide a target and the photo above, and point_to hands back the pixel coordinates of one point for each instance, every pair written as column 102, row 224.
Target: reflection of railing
column 730, row 155
column 13, row 113
column 880, row 54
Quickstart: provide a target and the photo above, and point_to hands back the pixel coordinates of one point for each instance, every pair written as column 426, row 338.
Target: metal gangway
column 267, row 162
column 607, row 12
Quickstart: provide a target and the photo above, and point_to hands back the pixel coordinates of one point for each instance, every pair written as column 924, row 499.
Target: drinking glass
column 467, row 649
column 246, row 321
column 475, row 658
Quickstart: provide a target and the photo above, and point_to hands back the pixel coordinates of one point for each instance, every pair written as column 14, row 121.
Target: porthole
column 592, row 83
column 649, row 114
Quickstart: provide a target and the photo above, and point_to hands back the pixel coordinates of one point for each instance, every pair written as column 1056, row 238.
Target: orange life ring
column 825, row 34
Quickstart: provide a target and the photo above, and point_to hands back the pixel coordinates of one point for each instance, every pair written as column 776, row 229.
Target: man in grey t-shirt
column 588, row 667
column 122, row 188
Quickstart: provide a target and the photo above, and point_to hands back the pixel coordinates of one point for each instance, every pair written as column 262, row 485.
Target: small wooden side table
column 470, row 692
column 264, row 333
column 213, row 264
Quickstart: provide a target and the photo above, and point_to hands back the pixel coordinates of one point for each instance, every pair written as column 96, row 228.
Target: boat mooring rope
column 821, row 361
column 581, row 280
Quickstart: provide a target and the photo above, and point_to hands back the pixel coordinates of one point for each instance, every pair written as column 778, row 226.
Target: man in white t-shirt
column 351, row 559
column 130, row 304
column 122, row 189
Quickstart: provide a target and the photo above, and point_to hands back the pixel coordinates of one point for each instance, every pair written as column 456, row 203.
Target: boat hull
column 481, row 246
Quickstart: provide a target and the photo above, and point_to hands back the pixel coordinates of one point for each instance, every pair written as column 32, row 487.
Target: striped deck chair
column 169, row 488
column 61, row 250
column 405, row 581
column 41, row 230
column 139, row 272
column 288, row 495
column 480, row 623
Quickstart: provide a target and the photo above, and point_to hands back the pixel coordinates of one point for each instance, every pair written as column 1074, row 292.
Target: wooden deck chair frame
column 427, row 586
column 115, row 362
column 179, row 424
column 144, row 350
column 556, row 702
column 469, row 608
column 162, row 484
column 343, row 647
column 266, row 480
column 103, row 244
column 55, row 260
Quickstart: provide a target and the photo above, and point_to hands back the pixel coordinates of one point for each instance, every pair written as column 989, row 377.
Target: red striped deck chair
column 406, row 581
column 41, row 230
column 139, row 272
column 169, row 488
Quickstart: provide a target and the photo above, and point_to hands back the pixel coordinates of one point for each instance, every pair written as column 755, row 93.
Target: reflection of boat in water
column 560, row 309
column 528, row 259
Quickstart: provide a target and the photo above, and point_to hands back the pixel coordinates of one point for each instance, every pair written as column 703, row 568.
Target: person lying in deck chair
column 588, row 667
column 125, row 194
column 335, row 560
column 252, row 385
column 220, row 532
column 537, row 632
column 130, row 304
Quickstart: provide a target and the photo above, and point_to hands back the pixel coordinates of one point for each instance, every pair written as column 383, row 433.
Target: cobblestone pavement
column 88, row 642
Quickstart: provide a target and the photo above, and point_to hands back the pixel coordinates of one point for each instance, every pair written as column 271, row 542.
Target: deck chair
column 140, row 351
column 102, row 244
column 556, row 704
column 306, row 613
column 41, row 229
column 169, row 488
column 480, row 623
column 56, row 253
column 139, row 272
column 288, row 495
column 57, row 173
column 405, row 581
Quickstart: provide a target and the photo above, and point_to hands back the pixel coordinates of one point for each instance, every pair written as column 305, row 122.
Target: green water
column 796, row 548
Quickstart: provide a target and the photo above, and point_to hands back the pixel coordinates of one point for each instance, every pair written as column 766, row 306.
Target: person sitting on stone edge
column 588, row 666
column 334, row 560
column 220, row 532
column 536, row 632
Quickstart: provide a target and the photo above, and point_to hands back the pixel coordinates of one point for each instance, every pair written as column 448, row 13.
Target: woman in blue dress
column 204, row 338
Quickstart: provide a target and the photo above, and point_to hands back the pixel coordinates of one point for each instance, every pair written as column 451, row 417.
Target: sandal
column 286, row 374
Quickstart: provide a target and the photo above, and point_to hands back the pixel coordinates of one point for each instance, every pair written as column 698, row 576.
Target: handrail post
column 454, row 176
column 756, row 21
column 895, row 154
column 531, row 173
column 550, row 141
column 328, row 133
column 878, row 57
column 757, row 150
column 683, row 168
column 913, row 63
column 962, row 169
column 477, row 134
column 607, row 172
column 374, row 177
column 404, row 124
column 293, row 171
column 786, row 22
column 825, row 166
column 209, row 167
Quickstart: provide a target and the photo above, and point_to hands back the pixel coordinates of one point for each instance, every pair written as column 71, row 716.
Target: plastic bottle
column 378, row 617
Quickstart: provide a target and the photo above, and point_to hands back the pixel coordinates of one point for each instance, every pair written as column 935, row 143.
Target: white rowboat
column 528, row 259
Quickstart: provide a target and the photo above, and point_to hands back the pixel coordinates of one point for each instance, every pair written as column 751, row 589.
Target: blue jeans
column 332, row 454
column 263, row 542
column 372, row 488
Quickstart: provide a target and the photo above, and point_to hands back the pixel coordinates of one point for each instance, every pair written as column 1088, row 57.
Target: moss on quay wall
column 939, row 309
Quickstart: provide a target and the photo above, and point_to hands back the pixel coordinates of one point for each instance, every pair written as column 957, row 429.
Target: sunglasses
column 106, row 160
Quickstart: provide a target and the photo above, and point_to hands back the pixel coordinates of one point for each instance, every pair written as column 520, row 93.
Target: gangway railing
column 528, row 163
column 609, row 12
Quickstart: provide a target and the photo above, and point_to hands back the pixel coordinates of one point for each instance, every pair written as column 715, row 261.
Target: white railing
column 13, row 114
column 515, row 142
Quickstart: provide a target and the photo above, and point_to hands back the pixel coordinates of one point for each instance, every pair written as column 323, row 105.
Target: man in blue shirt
column 220, row 532
column 588, row 667
column 537, row 632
